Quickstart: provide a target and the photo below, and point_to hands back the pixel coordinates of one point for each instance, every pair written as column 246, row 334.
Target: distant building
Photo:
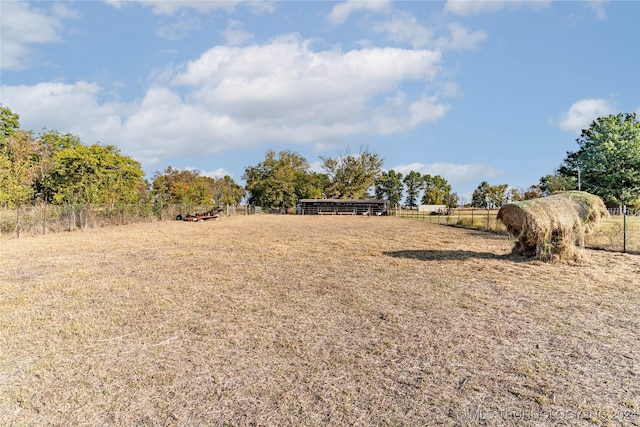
column 432, row 208
column 342, row 207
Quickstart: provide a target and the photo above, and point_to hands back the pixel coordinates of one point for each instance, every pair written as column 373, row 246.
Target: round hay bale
column 550, row 228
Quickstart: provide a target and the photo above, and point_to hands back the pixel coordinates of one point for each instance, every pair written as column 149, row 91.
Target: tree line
column 58, row 168
column 606, row 164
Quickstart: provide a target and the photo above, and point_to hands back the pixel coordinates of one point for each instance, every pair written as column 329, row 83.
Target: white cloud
column 262, row 7
column 217, row 174
column 24, row 26
column 64, row 107
column 180, row 28
column 114, row 3
column 169, row 7
column 284, row 85
column 467, row 7
column 403, row 27
column 460, row 38
column 598, row 7
column 234, row 35
column 455, row 174
column 341, row 12
column 582, row 113
column 235, row 97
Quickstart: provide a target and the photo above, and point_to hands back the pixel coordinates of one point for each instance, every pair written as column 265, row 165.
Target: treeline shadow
column 449, row 254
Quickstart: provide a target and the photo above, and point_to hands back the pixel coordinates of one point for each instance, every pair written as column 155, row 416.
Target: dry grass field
column 312, row 321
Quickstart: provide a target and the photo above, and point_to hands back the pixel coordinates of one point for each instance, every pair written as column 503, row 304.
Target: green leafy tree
column 489, row 196
column 17, row 160
column 549, row 184
column 413, row 182
column 94, row 174
column 533, row 192
column 498, row 195
column 517, row 194
column 479, row 198
column 275, row 182
column 608, row 159
column 437, row 190
column 389, row 186
column 9, row 122
column 352, row 176
column 453, row 200
column 182, row 187
column 228, row 192
column 48, row 144
column 313, row 185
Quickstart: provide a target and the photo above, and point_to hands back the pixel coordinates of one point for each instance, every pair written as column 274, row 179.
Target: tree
column 184, row 187
column 94, row 174
column 413, row 183
column 517, row 194
column 549, row 184
column 437, row 190
column 608, row 159
column 489, row 196
column 227, row 192
column 352, row 176
column 48, row 144
column 454, row 200
column 16, row 168
column 9, row 122
column 313, row 185
column 389, row 186
column 498, row 195
column 533, row 192
column 276, row 181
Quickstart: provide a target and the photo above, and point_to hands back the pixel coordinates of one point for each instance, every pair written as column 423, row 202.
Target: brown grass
column 551, row 228
column 305, row 320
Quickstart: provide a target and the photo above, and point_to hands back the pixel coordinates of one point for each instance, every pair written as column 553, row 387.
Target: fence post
column 44, row 218
column 624, row 228
column 488, row 220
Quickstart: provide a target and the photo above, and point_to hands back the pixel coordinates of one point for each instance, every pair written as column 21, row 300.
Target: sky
column 474, row 91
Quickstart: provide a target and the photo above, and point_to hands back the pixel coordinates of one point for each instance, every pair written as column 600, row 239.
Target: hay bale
column 552, row 228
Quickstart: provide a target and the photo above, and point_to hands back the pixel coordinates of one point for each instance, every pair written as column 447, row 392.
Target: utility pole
column 579, row 184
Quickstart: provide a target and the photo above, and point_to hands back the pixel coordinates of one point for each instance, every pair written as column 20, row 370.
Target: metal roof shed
column 342, row 207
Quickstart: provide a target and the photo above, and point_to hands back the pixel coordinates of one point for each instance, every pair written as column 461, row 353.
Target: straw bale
column 552, row 228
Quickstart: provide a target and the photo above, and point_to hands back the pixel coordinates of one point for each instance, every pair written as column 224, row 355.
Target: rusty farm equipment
column 201, row 216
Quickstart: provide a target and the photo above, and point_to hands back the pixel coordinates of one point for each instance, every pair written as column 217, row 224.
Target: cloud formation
column 468, row 8
column 24, row 26
column 232, row 97
column 582, row 113
column 455, row 174
column 341, row 12
column 598, row 7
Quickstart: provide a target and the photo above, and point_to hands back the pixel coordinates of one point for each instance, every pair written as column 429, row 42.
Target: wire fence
column 43, row 218
column 620, row 232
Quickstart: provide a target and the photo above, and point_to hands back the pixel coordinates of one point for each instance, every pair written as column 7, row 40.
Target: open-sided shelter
column 343, row 207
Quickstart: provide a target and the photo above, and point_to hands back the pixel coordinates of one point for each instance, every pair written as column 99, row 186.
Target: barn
column 342, row 207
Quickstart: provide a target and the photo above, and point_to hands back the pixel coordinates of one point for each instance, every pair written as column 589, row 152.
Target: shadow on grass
column 459, row 255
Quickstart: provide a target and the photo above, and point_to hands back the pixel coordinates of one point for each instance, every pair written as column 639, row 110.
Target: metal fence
column 45, row 218
column 620, row 232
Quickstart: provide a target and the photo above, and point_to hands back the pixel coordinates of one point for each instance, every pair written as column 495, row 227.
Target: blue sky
column 470, row 90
